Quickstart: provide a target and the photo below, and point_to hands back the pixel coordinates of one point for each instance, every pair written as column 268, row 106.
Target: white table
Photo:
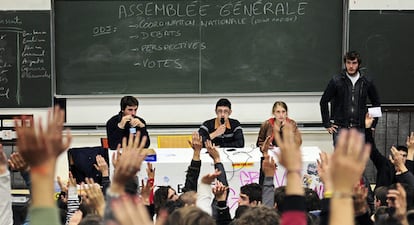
column 242, row 167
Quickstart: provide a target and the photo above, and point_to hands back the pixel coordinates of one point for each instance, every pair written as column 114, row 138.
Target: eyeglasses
column 223, row 111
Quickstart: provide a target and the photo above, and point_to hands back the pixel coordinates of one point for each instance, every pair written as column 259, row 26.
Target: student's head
column 280, row 111
column 92, row 219
column 279, row 197
column 381, row 215
column 189, row 198
column 190, row 216
column 250, row 194
column 380, row 196
column 258, row 215
column 403, row 151
column 162, row 195
column 352, row 61
column 409, row 193
column 223, row 108
column 129, row 105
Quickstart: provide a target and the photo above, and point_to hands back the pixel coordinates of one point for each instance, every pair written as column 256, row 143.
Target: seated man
column 222, row 130
column 126, row 122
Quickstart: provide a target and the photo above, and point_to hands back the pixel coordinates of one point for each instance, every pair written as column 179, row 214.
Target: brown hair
column 281, row 104
column 190, row 215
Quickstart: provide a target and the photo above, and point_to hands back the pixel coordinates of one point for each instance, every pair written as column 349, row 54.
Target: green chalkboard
column 25, row 59
column 385, row 40
column 214, row 46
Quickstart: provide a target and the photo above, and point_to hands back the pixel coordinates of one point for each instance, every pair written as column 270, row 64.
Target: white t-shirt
column 353, row 78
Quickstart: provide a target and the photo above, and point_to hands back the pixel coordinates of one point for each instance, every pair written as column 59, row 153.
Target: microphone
column 222, row 120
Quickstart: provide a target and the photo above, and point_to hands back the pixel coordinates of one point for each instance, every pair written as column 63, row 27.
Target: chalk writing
column 147, row 18
column 25, row 59
column 4, row 92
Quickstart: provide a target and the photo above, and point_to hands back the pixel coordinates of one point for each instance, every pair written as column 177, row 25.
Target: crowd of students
column 121, row 200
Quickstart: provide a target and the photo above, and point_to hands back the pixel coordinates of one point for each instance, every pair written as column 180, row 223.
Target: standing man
column 222, row 130
column 126, row 122
column 348, row 92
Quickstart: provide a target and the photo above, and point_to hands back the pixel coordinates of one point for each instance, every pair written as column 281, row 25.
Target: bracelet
column 42, row 169
column 342, row 195
column 327, row 194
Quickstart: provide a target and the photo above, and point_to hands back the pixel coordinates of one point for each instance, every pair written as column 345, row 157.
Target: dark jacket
column 232, row 137
column 385, row 169
column 348, row 102
column 115, row 134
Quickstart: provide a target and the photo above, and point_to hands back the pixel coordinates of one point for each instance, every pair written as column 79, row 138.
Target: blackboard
column 25, row 59
column 214, row 46
column 385, row 40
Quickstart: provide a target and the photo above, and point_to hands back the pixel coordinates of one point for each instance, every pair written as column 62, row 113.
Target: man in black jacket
column 348, row 92
column 126, row 122
column 222, row 130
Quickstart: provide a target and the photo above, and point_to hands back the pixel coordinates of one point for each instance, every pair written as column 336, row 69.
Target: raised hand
column 324, row 170
column 346, row 165
column 266, row 144
column 290, row 155
column 213, row 151
column 16, row 162
column 269, row 166
column 45, row 145
column 196, row 142
column 101, row 166
column 146, row 191
column 348, row 160
column 368, row 120
column 94, row 196
column 210, row 177
column 150, row 171
column 397, row 159
column 130, row 162
column 116, row 156
column 220, row 191
column 410, row 146
column 40, row 149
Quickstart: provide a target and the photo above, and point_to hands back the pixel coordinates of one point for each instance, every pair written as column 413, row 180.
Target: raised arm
column 193, row 171
column 290, row 157
column 40, row 150
column 127, row 165
column 348, row 163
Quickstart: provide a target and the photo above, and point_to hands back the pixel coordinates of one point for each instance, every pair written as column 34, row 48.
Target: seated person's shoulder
column 234, row 122
column 113, row 120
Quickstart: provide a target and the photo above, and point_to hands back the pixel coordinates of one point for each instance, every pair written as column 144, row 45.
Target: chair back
column 174, row 141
